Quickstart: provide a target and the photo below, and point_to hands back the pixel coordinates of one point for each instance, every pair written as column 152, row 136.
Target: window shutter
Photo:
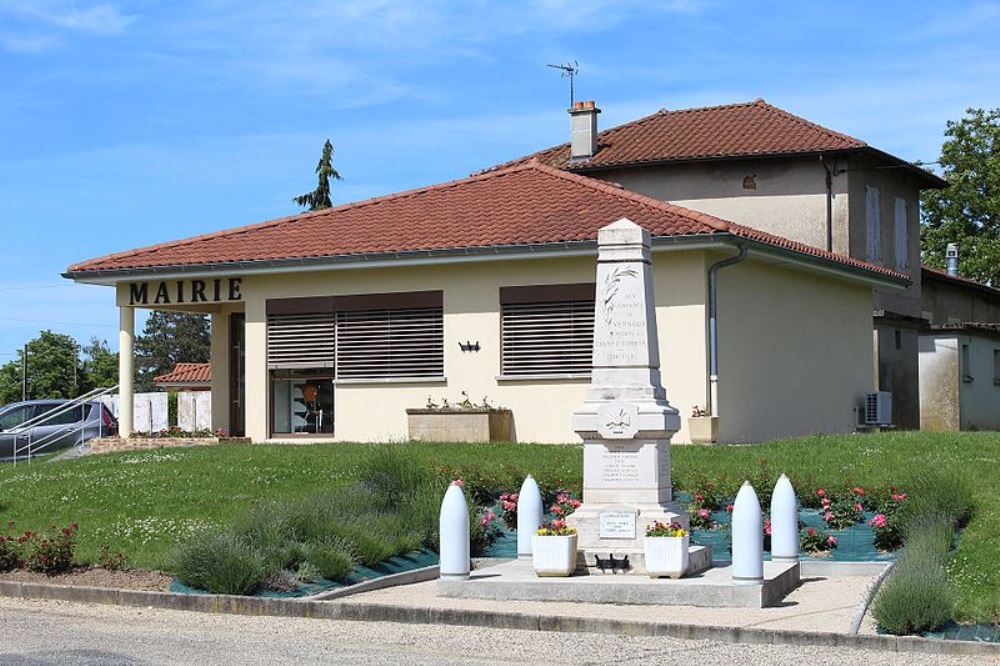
column 390, row 343
column 301, row 341
column 554, row 338
column 873, row 223
column 902, row 238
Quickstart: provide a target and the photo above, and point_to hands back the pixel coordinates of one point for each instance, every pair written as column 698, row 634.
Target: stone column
column 220, row 370
column 126, row 371
column 625, row 421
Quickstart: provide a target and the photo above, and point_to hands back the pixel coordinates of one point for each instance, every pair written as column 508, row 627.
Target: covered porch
column 221, row 299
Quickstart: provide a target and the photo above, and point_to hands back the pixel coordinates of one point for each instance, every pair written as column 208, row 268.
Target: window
column 74, row 415
column 303, row 402
column 901, row 240
column 873, row 224
column 996, row 366
column 390, row 343
column 16, row 416
column 546, row 330
column 966, row 368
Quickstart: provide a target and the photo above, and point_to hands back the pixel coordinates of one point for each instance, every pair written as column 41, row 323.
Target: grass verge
column 145, row 503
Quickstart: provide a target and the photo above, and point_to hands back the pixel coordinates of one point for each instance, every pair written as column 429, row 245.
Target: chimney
column 583, row 130
column 951, row 256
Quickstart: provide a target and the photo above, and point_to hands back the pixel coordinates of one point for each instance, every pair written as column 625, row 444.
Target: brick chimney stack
column 583, row 130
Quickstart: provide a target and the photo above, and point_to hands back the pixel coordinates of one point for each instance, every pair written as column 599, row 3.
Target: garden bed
column 94, row 576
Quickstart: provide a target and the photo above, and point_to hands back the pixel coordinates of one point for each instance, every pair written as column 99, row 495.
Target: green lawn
column 142, row 503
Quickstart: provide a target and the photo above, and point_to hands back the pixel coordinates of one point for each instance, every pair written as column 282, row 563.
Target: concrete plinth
column 516, row 580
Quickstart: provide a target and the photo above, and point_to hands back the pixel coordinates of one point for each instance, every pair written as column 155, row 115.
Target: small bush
column 112, row 560
column 330, row 559
column 220, row 562
column 915, row 598
column 947, row 497
column 50, row 553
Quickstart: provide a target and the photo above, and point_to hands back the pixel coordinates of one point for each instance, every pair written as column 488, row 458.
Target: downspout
column 713, row 327
column 830, row 173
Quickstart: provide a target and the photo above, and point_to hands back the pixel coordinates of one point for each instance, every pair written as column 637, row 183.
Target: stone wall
column 113, row 444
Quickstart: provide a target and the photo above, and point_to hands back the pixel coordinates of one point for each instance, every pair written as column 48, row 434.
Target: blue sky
column 128, row 123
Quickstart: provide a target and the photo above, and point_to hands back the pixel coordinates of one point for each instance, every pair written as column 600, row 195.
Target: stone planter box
column 553, row 555
column 666, row 556
column 460, row 425
column 703, row 429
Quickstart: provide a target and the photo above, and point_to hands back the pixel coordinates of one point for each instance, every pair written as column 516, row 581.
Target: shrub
column 50, row 553
column 392, row 478
column 10, row 550
column 916, row 597
column 220, row 562
column 815, row 541
column 937, row 495
column 329, row 559
column 113, row 560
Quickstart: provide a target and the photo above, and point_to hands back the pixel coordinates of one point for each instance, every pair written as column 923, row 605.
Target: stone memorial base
column 712, row 588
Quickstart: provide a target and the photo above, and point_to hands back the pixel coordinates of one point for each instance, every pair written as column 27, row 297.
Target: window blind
column 301, row 341
column 551, row 338
column 390, row 343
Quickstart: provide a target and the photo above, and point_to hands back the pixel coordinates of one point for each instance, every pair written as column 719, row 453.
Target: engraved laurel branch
column 612, row 286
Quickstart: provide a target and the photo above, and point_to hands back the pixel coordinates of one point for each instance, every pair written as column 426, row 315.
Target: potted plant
column 702, row 427
column 553, row 549
column 666, row 550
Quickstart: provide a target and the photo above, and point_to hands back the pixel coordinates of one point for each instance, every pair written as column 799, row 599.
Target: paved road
column 55, row 632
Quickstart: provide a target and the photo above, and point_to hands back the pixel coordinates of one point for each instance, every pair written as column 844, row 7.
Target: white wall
column 980, row 398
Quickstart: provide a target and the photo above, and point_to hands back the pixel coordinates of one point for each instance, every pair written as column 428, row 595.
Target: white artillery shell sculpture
column 784, row 522
column 748, row 537
column 529, row 515
column 454, row 533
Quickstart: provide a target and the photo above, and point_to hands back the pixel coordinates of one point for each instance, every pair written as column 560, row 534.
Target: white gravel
column 56, row 632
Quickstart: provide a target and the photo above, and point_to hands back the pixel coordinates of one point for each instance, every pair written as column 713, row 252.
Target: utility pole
column 24, row 373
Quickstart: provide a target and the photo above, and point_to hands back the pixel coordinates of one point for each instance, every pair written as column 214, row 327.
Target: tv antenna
column 568, row 71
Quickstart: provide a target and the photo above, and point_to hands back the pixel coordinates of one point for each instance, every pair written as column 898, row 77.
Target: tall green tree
column 53, row 369
column 320, row 197
column 968, row 211
column 99, row 365
column 169, row 338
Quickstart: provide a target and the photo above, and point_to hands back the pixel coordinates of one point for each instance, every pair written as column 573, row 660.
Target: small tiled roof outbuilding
column 187, row 373
column 523, row 206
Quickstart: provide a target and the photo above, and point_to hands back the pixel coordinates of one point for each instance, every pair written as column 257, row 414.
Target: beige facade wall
column 795, row 352
column 979, row 394
column 220, row 370
column 892, row 183
column 375, row 411
column 789, row 199
column 939, row 383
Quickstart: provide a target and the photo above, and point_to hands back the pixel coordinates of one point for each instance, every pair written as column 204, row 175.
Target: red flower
column 858, row 490
column 812, row 532
column 821, row 492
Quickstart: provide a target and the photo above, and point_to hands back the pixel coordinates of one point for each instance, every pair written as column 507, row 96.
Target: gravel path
column 56, row 632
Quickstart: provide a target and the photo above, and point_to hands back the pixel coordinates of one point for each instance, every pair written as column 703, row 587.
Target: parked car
column 59, row 430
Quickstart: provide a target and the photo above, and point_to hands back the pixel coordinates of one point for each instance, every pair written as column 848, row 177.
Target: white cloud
column 39, row 25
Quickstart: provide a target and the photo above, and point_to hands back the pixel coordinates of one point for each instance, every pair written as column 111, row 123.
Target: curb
column 403, row 578
column 371, row 612
column 866, row 599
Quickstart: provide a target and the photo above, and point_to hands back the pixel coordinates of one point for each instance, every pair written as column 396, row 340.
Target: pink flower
column 767, row 526
column 729, row 508
column 703, row 513
column 556, row 509
column 832, row 540
column 559, row 523
column 899, row 498
column 821, row 492
column 460, row 482
column 825, row 502
column 878, row 522
column 575, row 503
column 562, row 498
column 828, row 517
column 858, row 507
column 812, row 531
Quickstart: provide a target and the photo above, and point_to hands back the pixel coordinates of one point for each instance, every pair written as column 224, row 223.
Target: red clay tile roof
column 530, row 204
column 748, row 129
column 187, row 373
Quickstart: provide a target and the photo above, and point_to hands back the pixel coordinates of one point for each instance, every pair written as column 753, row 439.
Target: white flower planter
column 554, row 555
column 666, row 556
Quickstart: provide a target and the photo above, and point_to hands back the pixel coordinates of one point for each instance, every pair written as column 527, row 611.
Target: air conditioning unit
column 878, row 408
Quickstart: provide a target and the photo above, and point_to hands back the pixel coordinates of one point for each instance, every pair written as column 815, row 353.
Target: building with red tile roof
column 186, row 376
column 331, row 324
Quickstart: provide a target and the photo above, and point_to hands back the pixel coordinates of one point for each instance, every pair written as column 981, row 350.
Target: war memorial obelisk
column 625, row 421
